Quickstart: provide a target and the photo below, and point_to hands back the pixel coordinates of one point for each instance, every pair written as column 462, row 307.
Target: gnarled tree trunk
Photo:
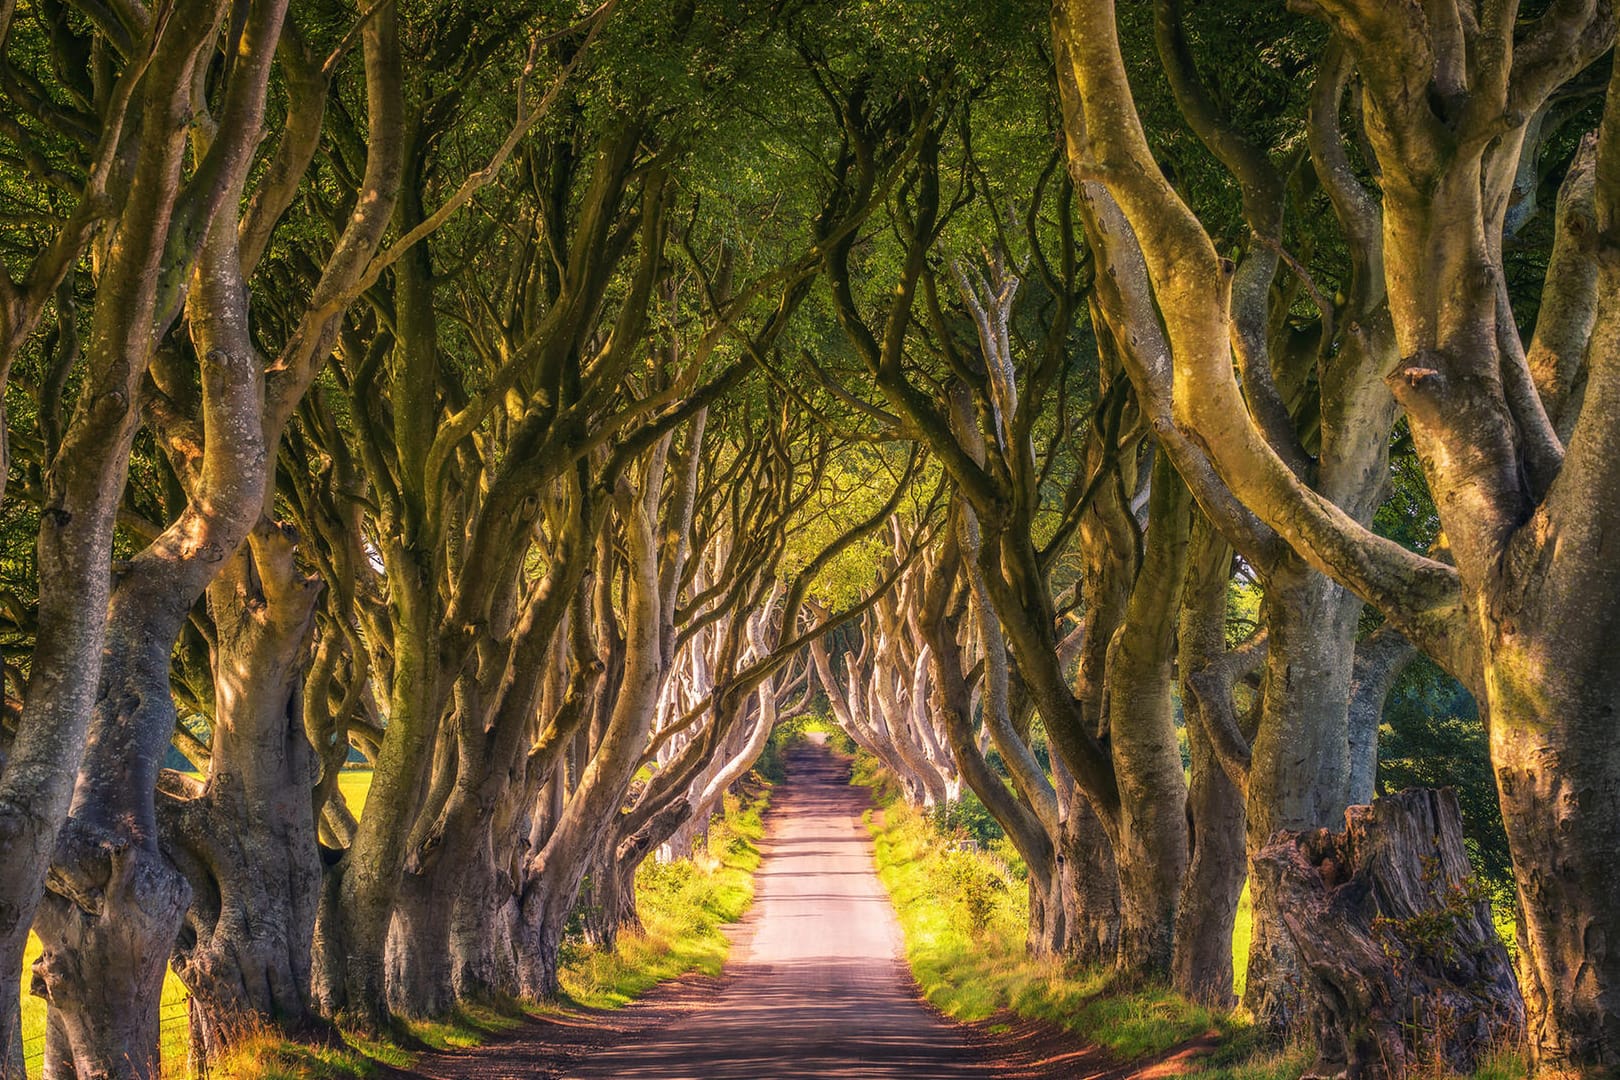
column 1400, row 962
column 246, row 842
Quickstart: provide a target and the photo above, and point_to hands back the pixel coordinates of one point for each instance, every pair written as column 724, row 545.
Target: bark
column 83, row 483
column 246, row 841
column 1400, row 959
column 1202, row 965
column 1151, row 843
column 1090, row 882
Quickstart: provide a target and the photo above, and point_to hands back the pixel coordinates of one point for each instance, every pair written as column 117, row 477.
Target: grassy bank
column 684, row 906
column 963, row 905
column 964, row 913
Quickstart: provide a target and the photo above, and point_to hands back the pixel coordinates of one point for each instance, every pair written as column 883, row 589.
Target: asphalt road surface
column 819, row 988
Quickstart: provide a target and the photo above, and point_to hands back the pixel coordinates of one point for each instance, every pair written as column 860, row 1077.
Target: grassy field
column 354, row 783
column 964, row 913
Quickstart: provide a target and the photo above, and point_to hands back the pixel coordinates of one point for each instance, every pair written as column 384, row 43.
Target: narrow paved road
column 820, row 988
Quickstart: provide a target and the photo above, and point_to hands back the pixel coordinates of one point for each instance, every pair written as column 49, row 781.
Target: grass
column 964, row 914
column 683, row 905
column 355, row 785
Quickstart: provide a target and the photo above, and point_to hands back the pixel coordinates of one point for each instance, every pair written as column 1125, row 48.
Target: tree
column 1446, row 102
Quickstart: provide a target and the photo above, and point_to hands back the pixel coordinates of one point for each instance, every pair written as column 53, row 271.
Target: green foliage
column 967, row 820
column 868, row 772
column 1431, row 933
column 789, row 733
column 1408, row 516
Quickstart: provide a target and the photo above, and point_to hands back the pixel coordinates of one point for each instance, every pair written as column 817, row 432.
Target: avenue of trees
column 1171, row 425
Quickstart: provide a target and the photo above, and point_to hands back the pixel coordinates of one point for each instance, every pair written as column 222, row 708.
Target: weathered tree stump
column 1402, row 966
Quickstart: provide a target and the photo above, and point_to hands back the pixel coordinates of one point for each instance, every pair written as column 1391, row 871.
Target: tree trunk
column 83, row 484
column 355, row 913
column 109, row 918
column 420, row 978
column 1090, row 882
column 114, row 901
column 1151, row 847
column 1401, row 964
column 1557, row 764
column 1047, row 936
column 1202, row 965
column 246, row 842
column 480, row 965
column 616, row 908
column 1300, row 775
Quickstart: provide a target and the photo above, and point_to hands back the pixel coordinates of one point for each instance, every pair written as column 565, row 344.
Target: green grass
column 355, row 785
column 964, row 915
column 683, row 906
column 1242, row 935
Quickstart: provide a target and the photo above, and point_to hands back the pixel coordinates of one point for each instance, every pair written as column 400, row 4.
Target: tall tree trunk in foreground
column 114, row 901
column 246, row 841
column 83, row 485
column 1525, row 614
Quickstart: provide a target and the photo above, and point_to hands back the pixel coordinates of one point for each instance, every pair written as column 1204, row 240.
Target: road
column 817, row 986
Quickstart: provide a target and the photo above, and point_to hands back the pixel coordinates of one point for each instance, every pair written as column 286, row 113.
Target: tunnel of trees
column 1173, row 425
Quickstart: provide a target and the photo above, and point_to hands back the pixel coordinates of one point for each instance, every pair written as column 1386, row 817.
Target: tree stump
column 1402, row 964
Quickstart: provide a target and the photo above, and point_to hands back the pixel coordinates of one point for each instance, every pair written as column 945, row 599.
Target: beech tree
column 1447, row 95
